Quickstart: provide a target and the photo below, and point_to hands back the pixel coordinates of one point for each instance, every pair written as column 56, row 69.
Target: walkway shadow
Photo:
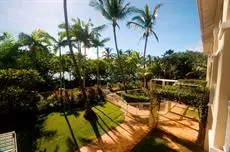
column 109, row 128
column 164, row 122
column 187, row 144
column 152, row 143
column 158, row 140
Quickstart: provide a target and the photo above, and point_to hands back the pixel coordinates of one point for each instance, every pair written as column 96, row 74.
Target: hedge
column 193, row 82
column 195, row 97
column 134, row 98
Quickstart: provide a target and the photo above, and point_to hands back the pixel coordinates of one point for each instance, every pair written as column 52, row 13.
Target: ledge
column 211, row 106
column 224, row 26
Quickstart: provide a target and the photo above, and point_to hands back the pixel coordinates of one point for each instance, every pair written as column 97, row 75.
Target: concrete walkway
column 125, row 136
column 135, row 127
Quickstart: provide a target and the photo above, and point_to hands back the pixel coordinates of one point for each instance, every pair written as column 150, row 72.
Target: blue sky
column 177, row 25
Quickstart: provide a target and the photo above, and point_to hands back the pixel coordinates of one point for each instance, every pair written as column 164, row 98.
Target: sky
column 177, row 24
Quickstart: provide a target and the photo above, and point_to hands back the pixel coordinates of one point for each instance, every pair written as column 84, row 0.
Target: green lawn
column 57, row 136
column 192, row 113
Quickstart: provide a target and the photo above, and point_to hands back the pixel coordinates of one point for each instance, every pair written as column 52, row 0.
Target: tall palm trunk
column 61, row 68
column 76, row 66
column 118, row 55
column 83, row 68
column 146, row 43
column 98, row 79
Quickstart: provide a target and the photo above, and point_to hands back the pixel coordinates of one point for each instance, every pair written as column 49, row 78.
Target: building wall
column 219, row 84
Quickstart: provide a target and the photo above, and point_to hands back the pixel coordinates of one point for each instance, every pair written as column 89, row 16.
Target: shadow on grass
column 112, row 120
column 158, row 140
column 71, row 142
column 94, row 124
column 107, row 126
column 28, row 128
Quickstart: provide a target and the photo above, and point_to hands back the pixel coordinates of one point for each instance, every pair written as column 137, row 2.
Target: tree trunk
column 146, row 43
column 118, row 55
column 76, row 66
column 84, row 66
column 61, row 68
column 98, row 79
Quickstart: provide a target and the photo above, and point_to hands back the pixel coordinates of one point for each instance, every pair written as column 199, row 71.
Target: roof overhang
column 208, row 12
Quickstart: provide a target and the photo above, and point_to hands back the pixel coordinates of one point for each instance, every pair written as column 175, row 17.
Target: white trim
column 229, row 105
column 224, row 26
column 211, row 106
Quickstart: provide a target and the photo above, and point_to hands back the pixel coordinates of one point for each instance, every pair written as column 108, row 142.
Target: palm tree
column 39, row 40
column 76, row 67
column 107, row 53
column 114, row 10
column 145, row 20
column 97, row 43
column 87, row 35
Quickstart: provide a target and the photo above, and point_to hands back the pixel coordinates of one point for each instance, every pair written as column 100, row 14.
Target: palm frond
column 100, row 6
column 155, row 12
column 139, row 19
column 135, row 25
column 155, row 35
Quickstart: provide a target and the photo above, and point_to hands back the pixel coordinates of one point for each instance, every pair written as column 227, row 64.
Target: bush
column 196, row 97
column 17, row 100
column 26, row 79
column 72, row 99
column 17, row 90
column 135, row 96
column 129, row 86
column 193, row 82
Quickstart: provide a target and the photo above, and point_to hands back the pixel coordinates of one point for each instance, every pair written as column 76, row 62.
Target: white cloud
column 92, row 53
column 196, row 47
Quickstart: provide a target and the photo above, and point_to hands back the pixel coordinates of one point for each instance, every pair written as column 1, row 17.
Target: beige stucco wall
column 219, row 82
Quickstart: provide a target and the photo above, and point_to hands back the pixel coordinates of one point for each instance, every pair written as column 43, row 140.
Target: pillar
column 222, row 94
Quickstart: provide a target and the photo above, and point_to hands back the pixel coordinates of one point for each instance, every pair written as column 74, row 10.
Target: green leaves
column 197, row 97
column 113, row 10
column 27, row 79
column 17, row 90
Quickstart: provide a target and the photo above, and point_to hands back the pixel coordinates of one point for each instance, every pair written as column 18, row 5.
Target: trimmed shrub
column 193, row 82
column 195, row 97
column 134, row 98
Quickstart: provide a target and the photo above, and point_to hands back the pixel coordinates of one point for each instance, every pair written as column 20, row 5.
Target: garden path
column 135, row 127
column 179, row 124
column 126, row 135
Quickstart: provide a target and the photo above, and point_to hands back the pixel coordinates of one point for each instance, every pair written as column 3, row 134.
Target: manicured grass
column 58, row 136
column 192, row 113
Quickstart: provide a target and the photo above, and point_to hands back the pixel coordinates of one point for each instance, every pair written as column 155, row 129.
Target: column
column 222, row 94
column 227, row 136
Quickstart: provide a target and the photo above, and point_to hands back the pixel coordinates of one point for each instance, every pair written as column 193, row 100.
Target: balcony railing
column 227, row 136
